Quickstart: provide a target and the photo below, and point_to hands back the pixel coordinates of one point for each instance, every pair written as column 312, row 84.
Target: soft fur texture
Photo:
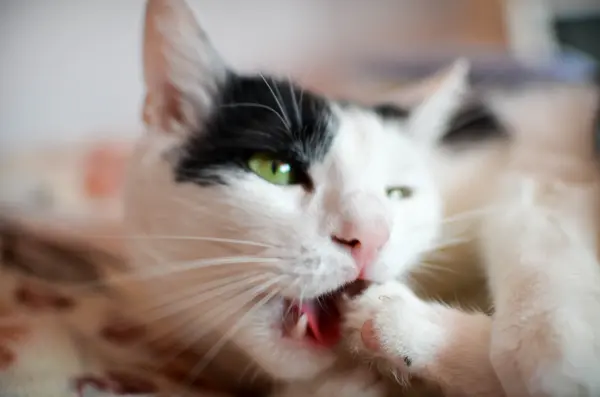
column 217, row 251
column 256, row 242
column 191, row 179
column 540, row 251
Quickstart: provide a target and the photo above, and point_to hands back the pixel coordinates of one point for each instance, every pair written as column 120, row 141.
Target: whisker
column 281, row 108
column 295, row 102
column 186, row 326
column 212, row 352
column 431, row 267
column 182, row 323
column 450, row 243
column 238, row 301
column 230, row 282
column 224, row 315
column 258, row 105
column 469, row 214
column 183, row 303
column 165, row 269
column 176, row 237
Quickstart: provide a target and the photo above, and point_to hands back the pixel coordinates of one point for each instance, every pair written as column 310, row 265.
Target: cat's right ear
column 182, row 70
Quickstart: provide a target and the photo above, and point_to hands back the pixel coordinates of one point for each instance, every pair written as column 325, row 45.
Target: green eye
column 399, row 192
column 272, row 169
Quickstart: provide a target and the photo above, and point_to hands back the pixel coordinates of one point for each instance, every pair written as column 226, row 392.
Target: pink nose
column 364, row 242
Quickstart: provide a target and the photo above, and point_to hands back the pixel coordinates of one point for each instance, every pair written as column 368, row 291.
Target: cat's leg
column 545, row 278
column 436, row 343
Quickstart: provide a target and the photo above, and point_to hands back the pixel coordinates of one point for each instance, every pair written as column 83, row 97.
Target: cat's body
column 250, row 201
column 295, row 186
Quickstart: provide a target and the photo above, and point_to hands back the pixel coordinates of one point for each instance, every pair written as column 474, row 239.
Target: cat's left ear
column 182, row 70
column 429, row 120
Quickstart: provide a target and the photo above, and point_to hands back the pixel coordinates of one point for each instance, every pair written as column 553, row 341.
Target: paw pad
column 369, row 336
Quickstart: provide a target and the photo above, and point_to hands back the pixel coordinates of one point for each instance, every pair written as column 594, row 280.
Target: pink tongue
column 312, row 315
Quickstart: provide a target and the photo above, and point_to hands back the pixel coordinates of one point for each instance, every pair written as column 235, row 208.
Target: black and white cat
column 291, row 197
column 276, row 202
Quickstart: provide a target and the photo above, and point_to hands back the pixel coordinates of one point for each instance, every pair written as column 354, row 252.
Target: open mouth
column 318, row 320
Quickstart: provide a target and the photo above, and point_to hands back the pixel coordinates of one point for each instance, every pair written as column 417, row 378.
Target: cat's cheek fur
column 411, row 237
column 219, row 211
column 262, row 339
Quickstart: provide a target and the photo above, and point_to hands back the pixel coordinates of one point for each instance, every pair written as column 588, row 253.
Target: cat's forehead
column 369, row 147
column 262, row 114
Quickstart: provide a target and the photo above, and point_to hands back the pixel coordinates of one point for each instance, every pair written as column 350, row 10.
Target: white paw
column 390, row 322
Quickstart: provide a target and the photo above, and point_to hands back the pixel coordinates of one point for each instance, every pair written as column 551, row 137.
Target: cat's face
column 264, row 200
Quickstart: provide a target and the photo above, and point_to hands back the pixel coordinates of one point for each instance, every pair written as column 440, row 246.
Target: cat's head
column 254, row 200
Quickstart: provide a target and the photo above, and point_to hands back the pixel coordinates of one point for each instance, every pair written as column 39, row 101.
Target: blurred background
column 70, row 70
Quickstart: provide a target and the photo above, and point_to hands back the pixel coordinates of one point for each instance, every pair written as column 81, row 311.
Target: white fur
column 288, row 227
column 541, row 251
column 367, row 156
column 405, row 325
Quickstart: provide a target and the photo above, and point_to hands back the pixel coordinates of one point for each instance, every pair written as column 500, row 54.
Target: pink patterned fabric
column 63, row 332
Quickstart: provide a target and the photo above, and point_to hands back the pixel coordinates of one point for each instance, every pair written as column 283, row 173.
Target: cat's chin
column 287, row 355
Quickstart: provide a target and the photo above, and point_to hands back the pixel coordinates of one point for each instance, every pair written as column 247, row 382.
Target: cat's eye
column 273, row 170
column 399, row 192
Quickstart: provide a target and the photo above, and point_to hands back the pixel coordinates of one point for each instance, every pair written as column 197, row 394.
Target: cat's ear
column 182, row 70
column 430, row 118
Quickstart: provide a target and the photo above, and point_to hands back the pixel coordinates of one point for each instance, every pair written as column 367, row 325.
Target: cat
column 349, row 173
column 222, row 222
column 295, row 186
column 277, row 202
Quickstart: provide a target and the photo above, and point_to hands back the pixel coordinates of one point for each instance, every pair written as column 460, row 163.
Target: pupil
column 274, row 167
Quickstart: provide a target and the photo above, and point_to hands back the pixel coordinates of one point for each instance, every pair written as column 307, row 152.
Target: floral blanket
column 62, row 333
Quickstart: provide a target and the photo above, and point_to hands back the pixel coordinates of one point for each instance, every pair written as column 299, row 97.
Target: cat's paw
column 389, row 322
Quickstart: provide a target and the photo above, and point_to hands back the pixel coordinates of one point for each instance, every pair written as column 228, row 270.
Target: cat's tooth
column 299, row 329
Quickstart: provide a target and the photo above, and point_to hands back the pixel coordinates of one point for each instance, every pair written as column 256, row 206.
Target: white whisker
column 295, row 103
column 432, row 269
column 258, row 105
column 182, row 323
column 281, row 108
column 469, row 214
column 176, row 237
column 450, row 243
column 247, row 296
column 166, row 269
column 213, row 351
column 231, row 283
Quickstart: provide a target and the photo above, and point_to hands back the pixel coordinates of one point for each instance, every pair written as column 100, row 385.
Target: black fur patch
column 474, row 123
column 256, row 114
column 388, row 111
